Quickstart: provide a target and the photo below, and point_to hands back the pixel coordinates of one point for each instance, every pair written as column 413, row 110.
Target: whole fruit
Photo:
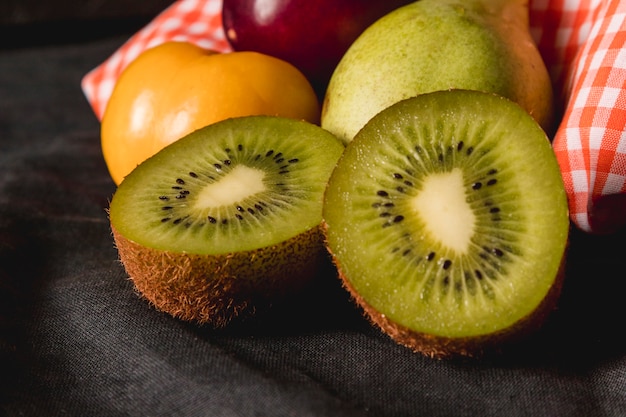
column 433, row 45
column 312, row 35
column 176, row 88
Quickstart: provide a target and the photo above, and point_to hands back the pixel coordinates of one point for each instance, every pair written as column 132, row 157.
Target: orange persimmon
column 175, row 88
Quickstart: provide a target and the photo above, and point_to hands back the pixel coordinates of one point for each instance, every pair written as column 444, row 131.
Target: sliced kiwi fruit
column 226, row 219
column 448, row 222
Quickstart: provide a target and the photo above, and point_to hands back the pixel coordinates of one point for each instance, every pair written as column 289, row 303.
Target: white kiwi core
column 241, row 182
column 443, row 207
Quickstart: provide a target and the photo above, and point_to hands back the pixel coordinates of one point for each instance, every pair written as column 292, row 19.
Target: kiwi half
column 448, row 222
column 226, row 219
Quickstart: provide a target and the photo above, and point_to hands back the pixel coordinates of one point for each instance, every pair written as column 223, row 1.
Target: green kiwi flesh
column 227, row 218
column 448, row 222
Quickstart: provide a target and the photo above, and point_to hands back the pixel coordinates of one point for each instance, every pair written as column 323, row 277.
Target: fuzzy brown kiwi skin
column 438, row 347
column 214, row 290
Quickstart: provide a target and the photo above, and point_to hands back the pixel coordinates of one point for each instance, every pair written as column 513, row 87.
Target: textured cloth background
column 582, row 42
column 77, row 341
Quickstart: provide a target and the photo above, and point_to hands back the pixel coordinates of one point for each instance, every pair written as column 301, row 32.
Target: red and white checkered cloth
column 584, row 45
column 581, row 41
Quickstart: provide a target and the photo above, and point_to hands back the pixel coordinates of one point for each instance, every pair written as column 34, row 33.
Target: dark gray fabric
column 76, row 340
column 20, row 12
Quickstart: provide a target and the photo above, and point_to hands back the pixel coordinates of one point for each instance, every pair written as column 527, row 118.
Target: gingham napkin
column 584, row 44
column 581, row 41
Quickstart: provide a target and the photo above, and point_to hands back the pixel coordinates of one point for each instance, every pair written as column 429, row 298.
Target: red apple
column 607, row 214
column 311, row 35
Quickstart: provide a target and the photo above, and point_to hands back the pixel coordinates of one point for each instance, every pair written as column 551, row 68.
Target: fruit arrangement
column 409, row 141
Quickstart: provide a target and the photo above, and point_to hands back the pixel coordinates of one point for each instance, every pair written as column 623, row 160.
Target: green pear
column 434, row 45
